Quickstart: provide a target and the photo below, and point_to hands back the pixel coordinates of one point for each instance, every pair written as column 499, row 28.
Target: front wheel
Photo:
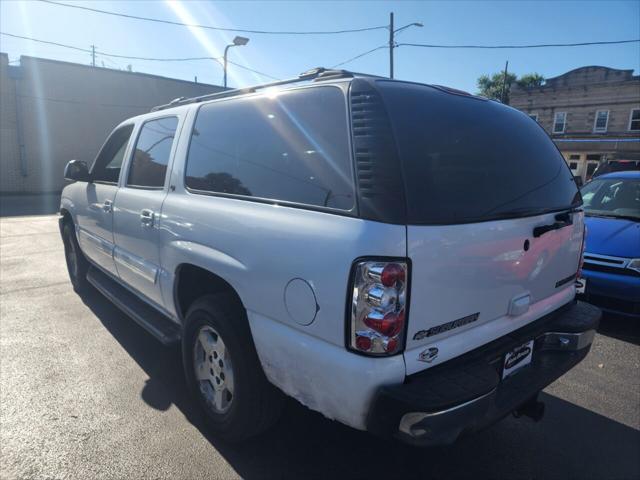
column 77, row 265
column 223, row 371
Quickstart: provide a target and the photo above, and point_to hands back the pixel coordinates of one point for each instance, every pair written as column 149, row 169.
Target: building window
column 601, row 121
column 634, row 119
column 533, row 116
column 573, row 165
column 559, row 122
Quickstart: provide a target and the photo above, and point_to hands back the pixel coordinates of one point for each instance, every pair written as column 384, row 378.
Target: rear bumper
column 466, row 394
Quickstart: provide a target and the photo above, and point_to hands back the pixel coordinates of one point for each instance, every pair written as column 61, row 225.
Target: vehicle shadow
column 570, row 442
column 620, row 327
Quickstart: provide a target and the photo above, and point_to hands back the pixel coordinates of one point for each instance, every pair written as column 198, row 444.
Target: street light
column 237, row 42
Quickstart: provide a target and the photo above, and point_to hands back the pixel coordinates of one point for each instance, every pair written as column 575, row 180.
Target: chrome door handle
column 146, row 217
column 107, row 206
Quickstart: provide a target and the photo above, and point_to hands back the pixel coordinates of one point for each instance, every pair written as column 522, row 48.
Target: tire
column 223, row 371
column 77, row 264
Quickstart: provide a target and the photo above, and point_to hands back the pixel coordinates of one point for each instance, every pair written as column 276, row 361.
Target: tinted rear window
column 466, row 159
column 291, row 147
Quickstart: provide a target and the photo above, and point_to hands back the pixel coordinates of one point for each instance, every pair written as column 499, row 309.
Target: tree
column 530, row 80
column 491, row 86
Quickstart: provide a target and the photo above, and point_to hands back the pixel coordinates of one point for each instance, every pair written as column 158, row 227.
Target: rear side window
column 151, row 155
column 293, row 147
column 467, row 160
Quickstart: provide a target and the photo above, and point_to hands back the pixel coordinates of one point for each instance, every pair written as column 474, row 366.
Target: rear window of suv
column 466, row 159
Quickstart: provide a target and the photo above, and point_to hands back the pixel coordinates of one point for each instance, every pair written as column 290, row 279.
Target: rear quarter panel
column 258, row 248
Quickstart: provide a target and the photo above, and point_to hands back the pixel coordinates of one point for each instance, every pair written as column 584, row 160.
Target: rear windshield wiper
column 518, row 212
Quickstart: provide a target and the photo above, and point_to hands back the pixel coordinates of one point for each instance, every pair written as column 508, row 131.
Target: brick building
column 592, row 113
column 52, row 112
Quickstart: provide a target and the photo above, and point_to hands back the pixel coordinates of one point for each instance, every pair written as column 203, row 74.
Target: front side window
column 634, row 119
column 601, row 121
column 106, row 168
column 293, row 147
column 612, row 197
column 152, row 152
column 559, row 122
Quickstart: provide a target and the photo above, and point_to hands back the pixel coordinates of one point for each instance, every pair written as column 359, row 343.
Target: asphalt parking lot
column 86, row 393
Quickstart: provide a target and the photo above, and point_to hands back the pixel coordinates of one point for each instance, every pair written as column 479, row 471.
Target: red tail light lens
column 389, row 325
column 392, row 274
column 377, row 316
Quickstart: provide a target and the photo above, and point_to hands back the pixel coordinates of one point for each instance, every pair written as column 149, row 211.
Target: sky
column 285, row 56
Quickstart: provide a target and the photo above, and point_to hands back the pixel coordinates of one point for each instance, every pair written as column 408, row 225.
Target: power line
column 130, row 57
column 540, row 45
column 253, row 70
column 222, row 29
column 424, row 45
column 114, row 55
column 361, row 55
column 47, row 42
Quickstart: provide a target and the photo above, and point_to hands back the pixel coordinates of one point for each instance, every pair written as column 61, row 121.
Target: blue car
column 611, row 270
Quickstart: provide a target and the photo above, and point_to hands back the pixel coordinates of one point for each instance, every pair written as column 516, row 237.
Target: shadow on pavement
column 20, row 205
column 570, row 442
column 623, row 328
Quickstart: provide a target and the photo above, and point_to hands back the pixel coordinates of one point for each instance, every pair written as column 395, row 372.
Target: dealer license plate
column 517, row 358
column 581, row 285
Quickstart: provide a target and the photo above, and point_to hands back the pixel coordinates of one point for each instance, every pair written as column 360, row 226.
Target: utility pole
column 391, row 44
column 392, row 41
column 93, row 55
column 504, row 82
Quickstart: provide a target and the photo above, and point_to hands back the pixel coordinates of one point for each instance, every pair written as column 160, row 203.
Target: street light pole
column 237, row 41
column 392, row 41
column 226, row 49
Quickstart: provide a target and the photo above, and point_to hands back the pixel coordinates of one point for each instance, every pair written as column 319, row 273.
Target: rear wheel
column 223, row 371
column 77, row 264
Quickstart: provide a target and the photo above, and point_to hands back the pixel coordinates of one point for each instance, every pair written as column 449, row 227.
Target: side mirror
column 77, row 171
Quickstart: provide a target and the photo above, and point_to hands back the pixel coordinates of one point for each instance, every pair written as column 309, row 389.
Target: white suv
column 399, row 257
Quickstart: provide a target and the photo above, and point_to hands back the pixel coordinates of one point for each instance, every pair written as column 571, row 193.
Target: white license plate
column 581, row 285
column 517, row 358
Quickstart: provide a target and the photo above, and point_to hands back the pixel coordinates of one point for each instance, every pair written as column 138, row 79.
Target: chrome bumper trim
column 567, row 341
column 410, row 420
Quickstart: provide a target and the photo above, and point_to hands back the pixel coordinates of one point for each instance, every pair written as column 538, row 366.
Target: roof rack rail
column 319, row 73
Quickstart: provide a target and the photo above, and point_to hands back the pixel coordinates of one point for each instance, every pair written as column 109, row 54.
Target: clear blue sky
column 455, row 22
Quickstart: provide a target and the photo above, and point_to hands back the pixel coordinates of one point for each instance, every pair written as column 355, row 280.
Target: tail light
column 377, row 316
